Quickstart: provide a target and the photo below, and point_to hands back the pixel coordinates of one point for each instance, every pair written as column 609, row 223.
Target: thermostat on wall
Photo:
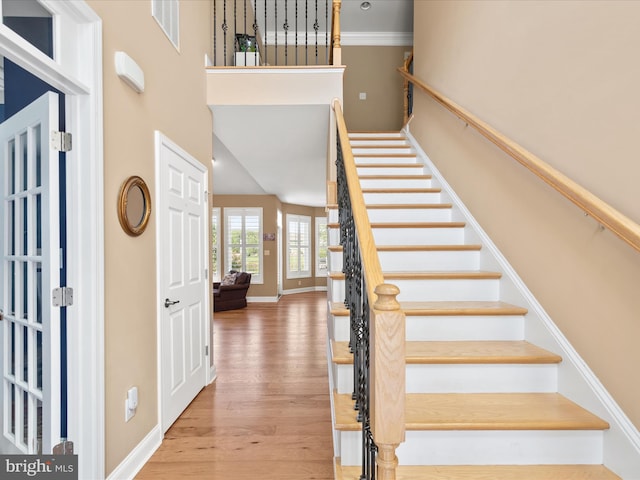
column 129, row 71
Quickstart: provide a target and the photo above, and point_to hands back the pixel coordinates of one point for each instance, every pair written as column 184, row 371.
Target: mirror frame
column 123, row 197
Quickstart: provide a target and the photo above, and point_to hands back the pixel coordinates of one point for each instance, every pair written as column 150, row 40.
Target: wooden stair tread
column 418, row 225
column 357, row 138
column 401, row 190
column 447, row 308
column 482, row 411
column 417, row 248
column 389, row 165
column 408, row 206
column 490, row 472
column 383, row 155
column 402, row 147
column 395, row 177
column 462, row 352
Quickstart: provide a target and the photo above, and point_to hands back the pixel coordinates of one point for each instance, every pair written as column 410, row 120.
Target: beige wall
column 174, row 102
column 313, row 281
column 270, row 205
column 373, row 70
column 557, row 77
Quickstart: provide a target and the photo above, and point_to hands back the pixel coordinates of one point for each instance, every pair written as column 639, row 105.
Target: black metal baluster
column 326, row 32
column 235, row 28
column 255, row 29
column 316, row 27
column 275, row 30
column 266, row 33
column 215, row 29
column 285, row 27
column 296, row 32
column 245, row 32
column 225, row 27
column 357, row 301
column 306, row 31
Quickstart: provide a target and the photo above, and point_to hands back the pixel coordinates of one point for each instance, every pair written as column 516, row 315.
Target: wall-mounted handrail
column 605, row 214
column 408, row 90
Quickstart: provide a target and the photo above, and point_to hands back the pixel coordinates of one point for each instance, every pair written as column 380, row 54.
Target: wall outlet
column 299, row 282
column 363, row 95
column 131, row 403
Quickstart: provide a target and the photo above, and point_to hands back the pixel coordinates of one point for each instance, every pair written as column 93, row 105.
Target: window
column 243, row 241
column 215, row 245
column 298, row 246
column 322, row 244
column 166, row 14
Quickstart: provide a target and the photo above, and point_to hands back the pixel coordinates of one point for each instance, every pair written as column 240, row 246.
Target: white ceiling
column 279, row 150
column 282, row 150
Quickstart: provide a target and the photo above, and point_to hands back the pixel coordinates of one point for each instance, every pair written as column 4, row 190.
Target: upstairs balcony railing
column 276, row 32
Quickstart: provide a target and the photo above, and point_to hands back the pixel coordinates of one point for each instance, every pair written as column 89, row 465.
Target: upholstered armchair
column 231, row 292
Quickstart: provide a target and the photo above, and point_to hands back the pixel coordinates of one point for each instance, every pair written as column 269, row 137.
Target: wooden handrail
column 407, row 63
column 387, row 327
column 605, row 214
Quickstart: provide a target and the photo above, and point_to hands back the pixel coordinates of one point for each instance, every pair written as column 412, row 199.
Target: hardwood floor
column 268, row 414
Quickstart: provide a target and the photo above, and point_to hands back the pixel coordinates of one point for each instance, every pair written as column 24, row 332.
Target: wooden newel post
column 388, row 390
column 335, row 33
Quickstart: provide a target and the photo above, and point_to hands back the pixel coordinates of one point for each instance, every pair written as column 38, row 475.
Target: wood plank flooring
column 268, row 414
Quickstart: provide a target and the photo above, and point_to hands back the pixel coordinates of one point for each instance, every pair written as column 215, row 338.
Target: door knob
column 168, row 303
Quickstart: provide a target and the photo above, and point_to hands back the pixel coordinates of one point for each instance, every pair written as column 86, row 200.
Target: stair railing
column 593, row 206
column 242, row 29
column 377, row 324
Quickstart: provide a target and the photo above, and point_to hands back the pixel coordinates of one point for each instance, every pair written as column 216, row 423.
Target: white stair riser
column 387, row 170
column 414, row 260
column 488, row 447
column 381, row 150
column 332, row 215
column 395, row 182
column 461, row 378
column 447, row 290
column 400, row 198
column 365, row 159
column 409, row 215
column 376, row 134
column 447, row 328
column 475, row 290
column 400, row 142
column 430, row 260
column 417, row 236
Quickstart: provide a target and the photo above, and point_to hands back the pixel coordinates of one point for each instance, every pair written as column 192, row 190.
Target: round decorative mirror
column 134, row 206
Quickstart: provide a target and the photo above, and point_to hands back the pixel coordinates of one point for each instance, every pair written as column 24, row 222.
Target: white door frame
column 78, row 74
column 161, row 139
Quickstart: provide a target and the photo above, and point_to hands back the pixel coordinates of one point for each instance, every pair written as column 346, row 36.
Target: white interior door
column 29, row 270
column 182, row 279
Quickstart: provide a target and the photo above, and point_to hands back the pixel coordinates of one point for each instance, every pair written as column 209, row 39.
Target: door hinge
column 62, row 296
column 61, row 141
column 206, row 350
column 65, row 447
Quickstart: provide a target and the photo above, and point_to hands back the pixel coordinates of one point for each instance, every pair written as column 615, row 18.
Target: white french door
column 183, row 286
column 29, row 270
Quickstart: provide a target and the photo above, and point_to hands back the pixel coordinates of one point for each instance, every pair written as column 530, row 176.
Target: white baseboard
column 213, row 374
column 136, row 459
column 262, row 299
column 304, row 290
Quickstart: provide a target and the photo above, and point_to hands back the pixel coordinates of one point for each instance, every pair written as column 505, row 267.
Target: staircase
column 483, row 374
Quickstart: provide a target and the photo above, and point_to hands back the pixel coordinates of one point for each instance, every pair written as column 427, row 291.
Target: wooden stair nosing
column 402, row 190
column 482, row 411
column 484, row 352
column 462, row 308
column 389, row 165
column 418, row 225
column 390, row 147
column 418, row 248
column 377, row 139
column 395, row 177
column 384, row 155
column 408, row 206
column 487, row 472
